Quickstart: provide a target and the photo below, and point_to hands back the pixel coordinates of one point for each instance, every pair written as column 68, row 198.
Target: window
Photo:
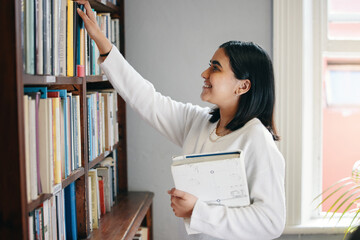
column 316, row 57
column 340, row 93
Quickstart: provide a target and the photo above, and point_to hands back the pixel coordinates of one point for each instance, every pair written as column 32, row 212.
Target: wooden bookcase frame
column 131, row 210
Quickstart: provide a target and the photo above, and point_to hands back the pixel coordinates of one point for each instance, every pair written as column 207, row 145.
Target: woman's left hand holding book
column 182, row 203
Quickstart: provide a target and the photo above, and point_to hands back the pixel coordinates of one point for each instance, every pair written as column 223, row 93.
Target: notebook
column 217, row 178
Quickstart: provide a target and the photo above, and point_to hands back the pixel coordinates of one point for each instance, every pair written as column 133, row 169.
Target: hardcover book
column 215, row 178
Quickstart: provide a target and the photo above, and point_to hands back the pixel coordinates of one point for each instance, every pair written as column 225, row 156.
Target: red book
column 101, row 196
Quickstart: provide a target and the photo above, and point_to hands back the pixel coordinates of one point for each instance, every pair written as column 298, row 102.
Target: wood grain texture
column 125, row 216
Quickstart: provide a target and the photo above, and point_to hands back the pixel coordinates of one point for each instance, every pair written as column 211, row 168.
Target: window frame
column 299, row 30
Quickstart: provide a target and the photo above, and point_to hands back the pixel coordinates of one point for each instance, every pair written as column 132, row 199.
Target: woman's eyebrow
column 215, row 62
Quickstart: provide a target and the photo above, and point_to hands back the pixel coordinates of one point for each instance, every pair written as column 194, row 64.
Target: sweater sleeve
column 264, row 218
column 169, row 117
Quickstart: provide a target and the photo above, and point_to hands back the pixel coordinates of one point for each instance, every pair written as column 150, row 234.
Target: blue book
column 64, row 105
column 70, row 212
column 37, row 224
column 89, row 104
column 43, row 91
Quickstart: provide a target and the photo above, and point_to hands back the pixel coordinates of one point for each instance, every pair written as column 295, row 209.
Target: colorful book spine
column 70, row 39
column 56, row 135
column 64, row 132
column 70, row 212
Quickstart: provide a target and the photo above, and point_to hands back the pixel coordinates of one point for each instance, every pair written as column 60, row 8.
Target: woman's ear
column 242, row 87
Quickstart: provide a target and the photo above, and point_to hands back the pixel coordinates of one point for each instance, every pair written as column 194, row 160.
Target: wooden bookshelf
column 131, row 209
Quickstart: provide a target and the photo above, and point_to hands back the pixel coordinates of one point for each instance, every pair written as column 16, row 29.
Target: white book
column 46, row 220
column 53, row 219
column 77, row 97
column 63, row 214
column 55, row 35
column 32, row 149
column 47, row 21
column 62, row 38
column 31, row 227
column 27, row 147
column 111, row 119
column 117, row 35
column 103, row 122
column 90, row 203
column 39, row 37
column 115, row 128
column 71, row 164
column 215, row 178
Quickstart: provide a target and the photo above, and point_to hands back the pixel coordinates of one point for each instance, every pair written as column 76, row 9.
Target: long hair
column 250, row 61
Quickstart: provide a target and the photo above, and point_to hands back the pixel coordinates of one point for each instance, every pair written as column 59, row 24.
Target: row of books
column 52, row 138
column 55, row 42
column 102, row 121
column 55, row 218
column 102, row 189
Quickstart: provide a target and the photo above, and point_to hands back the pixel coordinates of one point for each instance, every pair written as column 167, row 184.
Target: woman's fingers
column 84, row 17
column 89, row 11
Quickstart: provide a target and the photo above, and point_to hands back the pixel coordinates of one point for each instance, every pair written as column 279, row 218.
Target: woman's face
column 220, row 86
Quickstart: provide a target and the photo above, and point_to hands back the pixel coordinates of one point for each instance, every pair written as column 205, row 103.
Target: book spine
column 43, row 140
column 29, row 36
column 47, row 21
column 69, row 130
column 70, row 212
column 55, row 35
column 62, row 38
column 27, row 147
column 75, row 37
column 57, row 141
column 70, row 40
column 79, row 159
column 32, row 149
column 39, row 37
column 89, row 128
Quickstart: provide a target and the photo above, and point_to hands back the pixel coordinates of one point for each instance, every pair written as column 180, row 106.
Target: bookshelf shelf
column 35, row 203
column 126, row 216
column 50, row 80
column 104, row 6
column 76, row 174
column 98, row 78
column 131, row 209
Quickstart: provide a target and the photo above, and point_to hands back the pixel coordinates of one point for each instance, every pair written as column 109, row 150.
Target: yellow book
column 56, row 139
column 70, row 39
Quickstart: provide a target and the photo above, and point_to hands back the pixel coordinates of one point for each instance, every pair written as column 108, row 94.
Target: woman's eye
column 213, row 68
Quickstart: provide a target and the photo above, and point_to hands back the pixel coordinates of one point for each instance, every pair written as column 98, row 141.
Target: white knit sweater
column 188, row 126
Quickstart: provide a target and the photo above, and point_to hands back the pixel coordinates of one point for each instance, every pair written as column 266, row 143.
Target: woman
column 240, row 82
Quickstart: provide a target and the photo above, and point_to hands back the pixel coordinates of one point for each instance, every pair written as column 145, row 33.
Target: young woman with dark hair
column 240, row 83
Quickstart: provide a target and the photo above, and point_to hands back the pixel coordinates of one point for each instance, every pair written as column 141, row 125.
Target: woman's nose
column 205, row 74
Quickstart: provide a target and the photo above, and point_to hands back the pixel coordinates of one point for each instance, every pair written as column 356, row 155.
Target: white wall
column 170, row 42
